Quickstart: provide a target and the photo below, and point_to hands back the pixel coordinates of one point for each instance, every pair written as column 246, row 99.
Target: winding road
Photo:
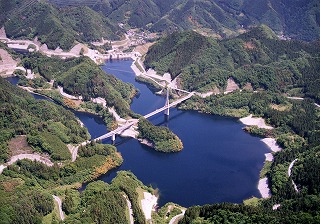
column 58, row 200
column 289, row 174
column 33, row 157
column 301, row 98
column 130, row 209
column 177, row 217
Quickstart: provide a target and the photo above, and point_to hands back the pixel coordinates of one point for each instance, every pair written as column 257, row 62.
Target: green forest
column 223, row 18
column 204, row 44
column 257, row 58
column 81, row 77
column 233, row 213
column 54, row 26
column 162, row 138
column 26, row 187
column 47, row 126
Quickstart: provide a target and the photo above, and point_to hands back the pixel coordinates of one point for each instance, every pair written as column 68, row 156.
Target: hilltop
column 258, row 59
column 298, row 19
column 62, row 23
column 56, row 27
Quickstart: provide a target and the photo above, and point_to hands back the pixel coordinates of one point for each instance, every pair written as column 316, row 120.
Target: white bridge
column 165, row 108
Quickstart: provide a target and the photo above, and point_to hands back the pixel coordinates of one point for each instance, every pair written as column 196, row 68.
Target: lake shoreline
column 271, row 143
column 249, row 121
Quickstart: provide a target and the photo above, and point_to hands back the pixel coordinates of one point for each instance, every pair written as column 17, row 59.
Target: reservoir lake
column 219, row 161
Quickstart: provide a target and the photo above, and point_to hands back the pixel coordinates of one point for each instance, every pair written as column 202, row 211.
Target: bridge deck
column 128, row 125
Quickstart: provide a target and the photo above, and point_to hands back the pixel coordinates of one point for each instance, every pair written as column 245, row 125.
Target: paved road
column 128, row 125
column 58, row 200
column 289, row 174
column 177, row 217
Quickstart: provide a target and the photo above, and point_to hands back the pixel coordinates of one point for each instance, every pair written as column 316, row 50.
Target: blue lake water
column 219, row 162
column 145, row 101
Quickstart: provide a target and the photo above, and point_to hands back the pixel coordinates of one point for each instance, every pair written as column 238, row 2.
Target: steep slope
column 82, row 77
column 136, row 13
column 298, row 19
column 197, row 15
column 48, row 127
column 257, row 57
column 54, row 26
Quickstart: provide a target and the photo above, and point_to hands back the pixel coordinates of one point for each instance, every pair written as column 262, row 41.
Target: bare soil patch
column 19, row 145
column 9, row 186
column 143, row 49
column 248, row 87
column 249, row 45
column 231, row 86
column 7, row 63
column 281, row 107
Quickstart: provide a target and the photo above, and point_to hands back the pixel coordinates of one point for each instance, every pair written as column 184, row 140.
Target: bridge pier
column 167, row 110
column 113, row 137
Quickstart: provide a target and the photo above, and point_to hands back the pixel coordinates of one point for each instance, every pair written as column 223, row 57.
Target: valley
column 239, row 143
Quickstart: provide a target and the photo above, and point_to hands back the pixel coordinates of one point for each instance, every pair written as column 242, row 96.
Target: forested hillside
column 161, row 138
column 48, row 127
column 257, row 58
column 58, row 22
column 82, row 77
column 273, row 69
column 297, row 19
column 26, row 187
column 231, row 213
column 54, row 26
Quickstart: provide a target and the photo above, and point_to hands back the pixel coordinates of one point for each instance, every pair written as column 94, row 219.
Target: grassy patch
column 297, row 92
column 53, row 94
column 55, row 214
column 281, row 107
column 127, row 210
column 48, row 218
column 59, row 149
column 252, row 201
column 61, row 189
column 136, row 63
column 141, row 195
column 265, row 169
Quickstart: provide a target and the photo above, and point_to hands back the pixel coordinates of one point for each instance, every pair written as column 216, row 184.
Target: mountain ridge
column 258, row 57
column 298, row 20
column 57, row 27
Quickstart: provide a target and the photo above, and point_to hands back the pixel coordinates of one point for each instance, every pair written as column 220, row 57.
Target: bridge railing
column 126, row 126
